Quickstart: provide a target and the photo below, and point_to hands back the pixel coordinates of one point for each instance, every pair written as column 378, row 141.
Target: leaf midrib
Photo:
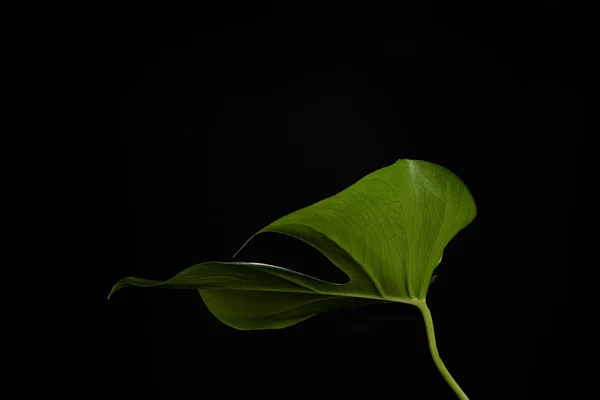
column 331, row 294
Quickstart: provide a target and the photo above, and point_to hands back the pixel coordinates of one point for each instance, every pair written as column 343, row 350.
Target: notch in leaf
column 387, row 232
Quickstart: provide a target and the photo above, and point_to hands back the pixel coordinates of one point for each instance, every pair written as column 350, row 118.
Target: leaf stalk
column 435, row 354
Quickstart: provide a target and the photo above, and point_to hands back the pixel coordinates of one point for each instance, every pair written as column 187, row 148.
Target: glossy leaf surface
column 387, row 232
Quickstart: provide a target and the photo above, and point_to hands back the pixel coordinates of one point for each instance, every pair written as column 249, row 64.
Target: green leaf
column 387, row 232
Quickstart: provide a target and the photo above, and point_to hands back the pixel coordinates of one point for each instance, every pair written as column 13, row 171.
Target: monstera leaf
column 387, row 232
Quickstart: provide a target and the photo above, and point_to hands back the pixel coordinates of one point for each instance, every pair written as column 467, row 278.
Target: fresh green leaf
column 387, row 232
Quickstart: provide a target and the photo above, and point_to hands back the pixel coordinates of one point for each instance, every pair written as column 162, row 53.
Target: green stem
column 434, row 352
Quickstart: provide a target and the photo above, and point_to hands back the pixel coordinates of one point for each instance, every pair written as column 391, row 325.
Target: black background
column 231, row 117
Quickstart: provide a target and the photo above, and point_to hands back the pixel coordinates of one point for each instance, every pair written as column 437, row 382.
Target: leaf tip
column 119, row 285
column 238, row 250
column 246, row 242
column 112, row 291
